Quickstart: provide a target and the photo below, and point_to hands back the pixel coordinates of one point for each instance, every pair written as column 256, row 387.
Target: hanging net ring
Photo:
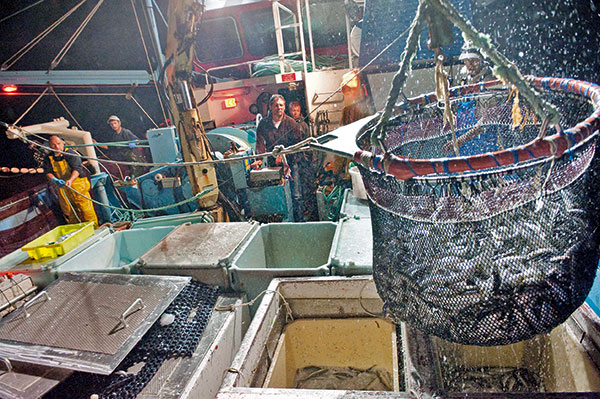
column 500, row 243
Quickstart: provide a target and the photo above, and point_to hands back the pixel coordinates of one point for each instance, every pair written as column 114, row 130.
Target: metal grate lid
column 87, row 321
column 202, row 245
column 26, row 381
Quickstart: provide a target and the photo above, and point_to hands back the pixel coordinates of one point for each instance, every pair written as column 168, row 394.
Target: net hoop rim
column 404, row 168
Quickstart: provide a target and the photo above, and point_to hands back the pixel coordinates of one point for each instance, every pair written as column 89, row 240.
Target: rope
column 12, row 176
column 333, row 202
column 30, row 107
column 25, row 49
column 65, row 107
column 111, row 144
column 298, row 147
column 65, row 94
column 69, row 202
column 360, row 301
column 144, row 111
column 149, row 66
column 504, row 68
column 157, row 8
column 442, row 91
column 399, row 80
column 288, row 310
column 21, row 10
column 161, row 208
column 359, row 72
column 63, row 51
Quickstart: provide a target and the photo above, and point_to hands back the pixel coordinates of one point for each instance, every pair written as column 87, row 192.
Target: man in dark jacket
column 277, row 129
column 280, row 129
column 122, row 153
column 307, row 175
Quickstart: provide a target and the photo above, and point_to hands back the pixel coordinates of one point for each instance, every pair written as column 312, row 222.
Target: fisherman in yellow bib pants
column 67, row 170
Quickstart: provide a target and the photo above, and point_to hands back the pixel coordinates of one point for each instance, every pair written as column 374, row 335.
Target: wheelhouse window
column 328, row 23
column 219, row 40
column 259, row 31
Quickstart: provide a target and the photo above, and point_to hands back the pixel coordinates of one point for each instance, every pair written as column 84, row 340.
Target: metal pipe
column 100, row 194
column 149, row 8
column 302, row 44
column 278, row 35
column 60, row 128
column 310, row 38
column 16, row 299
column 348, row 29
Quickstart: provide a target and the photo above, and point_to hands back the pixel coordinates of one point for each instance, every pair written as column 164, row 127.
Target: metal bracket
column 138, row 304
column 7, row 364
column 33, row 300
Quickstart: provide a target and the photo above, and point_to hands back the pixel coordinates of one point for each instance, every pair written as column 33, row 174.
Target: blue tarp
column 384, row 20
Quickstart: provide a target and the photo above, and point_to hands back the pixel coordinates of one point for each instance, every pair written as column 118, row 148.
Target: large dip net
column 499, row 242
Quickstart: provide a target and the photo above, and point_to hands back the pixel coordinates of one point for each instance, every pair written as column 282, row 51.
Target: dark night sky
column 111, row 41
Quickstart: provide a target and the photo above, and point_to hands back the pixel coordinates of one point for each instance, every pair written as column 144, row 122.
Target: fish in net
column 499, row 242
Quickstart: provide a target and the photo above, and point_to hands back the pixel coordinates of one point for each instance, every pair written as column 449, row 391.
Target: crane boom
column 183, row 18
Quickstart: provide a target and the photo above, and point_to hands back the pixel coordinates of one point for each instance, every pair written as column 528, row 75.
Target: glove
column 132, row 145
column 256, row 164
column 59, row 182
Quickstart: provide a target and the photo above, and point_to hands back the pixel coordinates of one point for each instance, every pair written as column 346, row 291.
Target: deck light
column 9, row 88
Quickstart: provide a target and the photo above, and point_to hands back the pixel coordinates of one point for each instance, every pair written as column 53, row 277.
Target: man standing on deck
column 65, row 169
column 307, row 175
column 276, row 129
column 280, row 129
column 122, row 153
column 296, row 113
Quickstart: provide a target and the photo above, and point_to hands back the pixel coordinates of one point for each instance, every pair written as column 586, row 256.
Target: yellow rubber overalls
column 69, row 201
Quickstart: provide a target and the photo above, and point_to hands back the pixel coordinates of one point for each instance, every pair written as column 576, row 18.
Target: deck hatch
column 181, row 248
column 90, row 321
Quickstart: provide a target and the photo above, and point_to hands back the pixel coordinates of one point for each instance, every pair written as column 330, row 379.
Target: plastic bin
column 354, row 207
column 352, row 250
column 42, row 270
column 202, row 251
column 356, row 343
column 59, row 240
column 172, row 220
column 550, row 362
column 279, row 250
column 117, row 253
column 332, row 326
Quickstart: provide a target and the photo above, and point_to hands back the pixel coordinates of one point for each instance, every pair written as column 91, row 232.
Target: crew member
column 307, row 175
column 280, row 129
column 121, row 153
column 277, row 128
column 296, row 113
column 67, row 170
column 473, row 112
column 476, row 69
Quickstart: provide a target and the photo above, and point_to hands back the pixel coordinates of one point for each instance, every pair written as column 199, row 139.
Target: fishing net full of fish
column 499, row 242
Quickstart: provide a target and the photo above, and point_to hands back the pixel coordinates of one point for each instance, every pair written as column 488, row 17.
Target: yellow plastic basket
column 59, row 240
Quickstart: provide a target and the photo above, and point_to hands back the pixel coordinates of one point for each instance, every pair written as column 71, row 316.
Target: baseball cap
column 113, row 118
